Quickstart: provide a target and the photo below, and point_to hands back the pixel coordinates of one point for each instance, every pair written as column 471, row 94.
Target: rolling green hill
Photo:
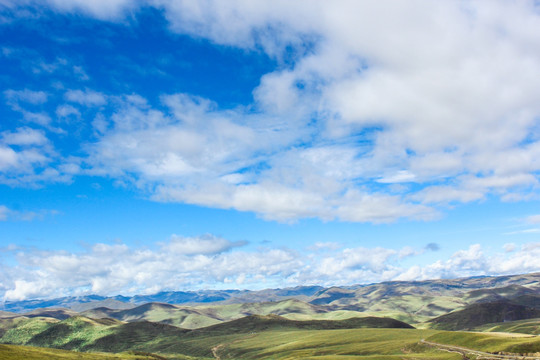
column 110, row 335
column 528, row 326
column 483, row 313
column 257, row 323
column 258, row 337
column 202, row 316
column 357, row 322
column 488, row 342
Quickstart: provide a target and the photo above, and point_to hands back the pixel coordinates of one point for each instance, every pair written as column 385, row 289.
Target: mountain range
column 201, row 325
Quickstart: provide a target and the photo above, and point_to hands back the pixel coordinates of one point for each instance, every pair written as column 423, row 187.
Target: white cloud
column 429, row 107
column 206, row 245
column 366, row 96
column 509, row 247
column 86, row 97
column 213, row 262
column 533, row 219
column 4, row 212
column 101, row 9
column 27, row 158
column 64, row 111
column 9, row 214
column 26, row 95
column 26, row 289
column 324, row 246
column 40, row 118
column 24, row 136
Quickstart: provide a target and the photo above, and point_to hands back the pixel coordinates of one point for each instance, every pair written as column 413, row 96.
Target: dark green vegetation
column 529, row 326
column 484, row 313
column 363, row 322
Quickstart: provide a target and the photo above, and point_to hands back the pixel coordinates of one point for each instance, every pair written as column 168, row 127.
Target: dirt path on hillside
column 215, row 349
column 480, row 355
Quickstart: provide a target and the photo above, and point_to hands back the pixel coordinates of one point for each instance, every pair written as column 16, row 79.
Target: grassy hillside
column 258, row 323
column 368, row 344
column 334, row 344
column 266, row 337
column 15, row 352
column 22, row 330
column 483, row 313
column 488, row 342
column 184, row 317
column 207, row 315
column 60, row 314
column 529, row 326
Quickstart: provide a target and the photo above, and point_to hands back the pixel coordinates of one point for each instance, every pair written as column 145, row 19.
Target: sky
column 185, row 145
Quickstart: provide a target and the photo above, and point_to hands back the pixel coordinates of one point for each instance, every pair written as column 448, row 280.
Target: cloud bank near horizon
column 373, row 113
column 210, row 262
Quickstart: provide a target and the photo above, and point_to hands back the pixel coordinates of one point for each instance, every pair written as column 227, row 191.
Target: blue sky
column 183, row 145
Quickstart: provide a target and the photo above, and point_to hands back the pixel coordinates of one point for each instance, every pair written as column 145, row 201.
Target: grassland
column 334, row 344
column 16, row 352
column 330, row 323
column 270, row 337
column 529, row 326
column 488, row 342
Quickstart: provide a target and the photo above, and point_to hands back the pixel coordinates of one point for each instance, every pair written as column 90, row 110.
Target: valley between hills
column 468, row 318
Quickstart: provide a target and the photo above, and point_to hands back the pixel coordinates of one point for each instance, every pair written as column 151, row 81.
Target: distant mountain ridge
column 356, row 297
column 204, row 329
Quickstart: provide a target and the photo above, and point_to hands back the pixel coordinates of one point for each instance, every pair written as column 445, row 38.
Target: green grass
column 488, row 342
column 529, row 326
column 21, row 330
column 334, row 344
column 17, row 352
column 253, row 337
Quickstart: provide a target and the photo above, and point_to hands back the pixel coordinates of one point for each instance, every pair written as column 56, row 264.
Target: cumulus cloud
column 26, row 95
column 376, row 111
column 212, row 262
column 64, row 111
column 196, row 153
column 28, row 158
column 427, row 107
column 86, row 97
column 24, row 136
column 178, row 263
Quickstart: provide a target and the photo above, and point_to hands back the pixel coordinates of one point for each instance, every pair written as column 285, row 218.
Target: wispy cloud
column 533, row 219
column 354, row 124
column 524, row 231
column 17, row 215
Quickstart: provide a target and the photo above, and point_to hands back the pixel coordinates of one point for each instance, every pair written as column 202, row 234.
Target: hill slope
column 256, row 323
column 483, row 313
